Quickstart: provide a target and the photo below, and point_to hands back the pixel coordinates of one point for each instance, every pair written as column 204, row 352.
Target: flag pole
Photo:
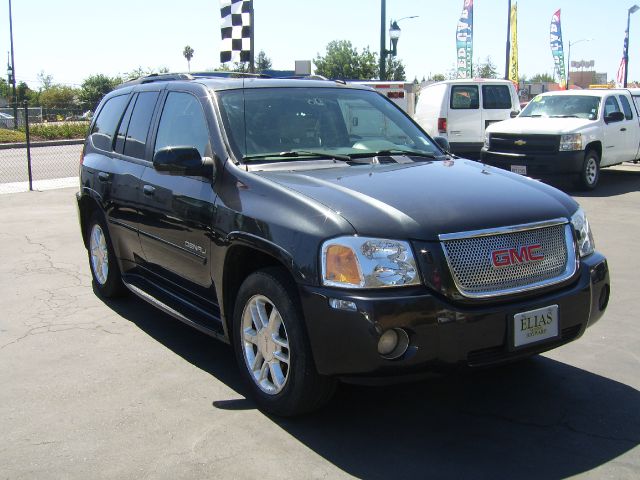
column 252, row 66
column 506, row 64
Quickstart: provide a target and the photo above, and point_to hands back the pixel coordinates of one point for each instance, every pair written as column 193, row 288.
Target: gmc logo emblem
column 515, row 256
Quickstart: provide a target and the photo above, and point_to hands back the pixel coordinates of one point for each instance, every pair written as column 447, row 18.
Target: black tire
column 303, row 389
column 105, row 271
column 590, row 173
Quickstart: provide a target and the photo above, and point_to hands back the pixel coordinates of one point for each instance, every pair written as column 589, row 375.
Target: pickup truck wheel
column 272, row 349
column 590, row 173
column 102, row 260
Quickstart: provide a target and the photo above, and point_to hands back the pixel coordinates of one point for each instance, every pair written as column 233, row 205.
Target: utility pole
column 383, row 40
column 13, row 69
column 506, row 64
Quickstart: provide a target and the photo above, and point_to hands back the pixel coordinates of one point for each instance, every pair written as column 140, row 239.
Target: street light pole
column 383, row 40
column 506, row 64
column 633, row 9
column 13, row 70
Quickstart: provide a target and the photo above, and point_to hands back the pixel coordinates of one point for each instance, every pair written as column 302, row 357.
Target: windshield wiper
column 379, row 153
column 296, row 154
column 564, row 116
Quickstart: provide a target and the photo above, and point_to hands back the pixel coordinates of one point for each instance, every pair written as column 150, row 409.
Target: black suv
column 318, row 229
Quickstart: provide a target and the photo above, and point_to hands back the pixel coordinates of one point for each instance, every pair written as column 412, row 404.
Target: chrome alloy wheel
column 265, row 344
column 99, row 254
column 591, row 170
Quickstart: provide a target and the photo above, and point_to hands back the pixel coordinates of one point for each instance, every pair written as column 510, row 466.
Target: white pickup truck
column 568, row 132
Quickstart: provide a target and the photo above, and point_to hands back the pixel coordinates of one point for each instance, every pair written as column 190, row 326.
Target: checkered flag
column 237, row 23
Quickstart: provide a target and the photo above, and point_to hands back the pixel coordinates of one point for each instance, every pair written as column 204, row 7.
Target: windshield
column 563, row 106
column 274, row 124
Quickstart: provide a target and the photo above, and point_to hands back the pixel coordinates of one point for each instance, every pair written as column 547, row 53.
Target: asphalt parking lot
column 116, row 389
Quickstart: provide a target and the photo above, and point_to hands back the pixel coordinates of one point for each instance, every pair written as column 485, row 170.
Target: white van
column 460, row 110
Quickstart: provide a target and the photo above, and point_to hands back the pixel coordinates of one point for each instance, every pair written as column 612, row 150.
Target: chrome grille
column 471, row 264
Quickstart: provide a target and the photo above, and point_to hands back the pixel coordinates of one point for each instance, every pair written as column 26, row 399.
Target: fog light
column 343, row 304
column 393, row 343
column 388, row 342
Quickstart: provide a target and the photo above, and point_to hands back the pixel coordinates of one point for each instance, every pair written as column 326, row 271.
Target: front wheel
column 272, row 349
column 590, row 173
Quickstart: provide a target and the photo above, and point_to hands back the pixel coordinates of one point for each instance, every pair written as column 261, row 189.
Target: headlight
column 583, row 232
column 487, row 140
column 362, row 262
column 570, row 142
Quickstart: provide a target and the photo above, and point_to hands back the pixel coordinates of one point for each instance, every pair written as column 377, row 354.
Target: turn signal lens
column 342, row 266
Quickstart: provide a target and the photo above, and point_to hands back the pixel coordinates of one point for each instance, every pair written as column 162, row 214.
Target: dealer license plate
column 535, row 325
column 520, row 169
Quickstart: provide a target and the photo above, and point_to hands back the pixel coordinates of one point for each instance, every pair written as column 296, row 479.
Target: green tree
column 46, row 81
column 23, row 92
column 262, row 62
column 58, row 96
column 542, row 78
column 395, row 69
column 94, row 88
column 343, row 61
column 486, row 69
column 143, row 72
column 437, row 77
column 188, row 54
column 5, row 89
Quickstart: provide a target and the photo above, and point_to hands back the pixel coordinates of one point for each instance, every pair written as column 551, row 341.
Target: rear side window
column 465, row 97
column 107, row 121
column 626, row 107
column 610, row 106
column 183, row 124
column 139, row 124
column 496, row 97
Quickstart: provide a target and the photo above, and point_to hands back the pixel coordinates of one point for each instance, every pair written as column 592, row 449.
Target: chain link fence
column 40, row 154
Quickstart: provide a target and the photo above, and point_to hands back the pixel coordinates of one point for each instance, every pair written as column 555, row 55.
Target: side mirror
column 182, row 161
column 514, row 114
column 443, row 143
column 614, row 117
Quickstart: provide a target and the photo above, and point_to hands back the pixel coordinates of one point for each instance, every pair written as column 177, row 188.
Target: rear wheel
column 102, row 260
column 590, row 173
column 272, row 349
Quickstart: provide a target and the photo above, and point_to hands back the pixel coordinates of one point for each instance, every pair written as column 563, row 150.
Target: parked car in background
column 570, row 132
column 7, row 121
column 461, row 110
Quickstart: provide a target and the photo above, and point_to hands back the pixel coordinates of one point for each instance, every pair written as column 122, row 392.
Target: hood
column 422, row 200
column 541, row 125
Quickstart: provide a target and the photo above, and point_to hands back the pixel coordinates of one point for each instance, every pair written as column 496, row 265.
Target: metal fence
column 33, row 162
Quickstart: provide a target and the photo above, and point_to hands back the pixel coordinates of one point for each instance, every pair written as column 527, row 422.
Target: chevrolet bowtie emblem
column 520, row 142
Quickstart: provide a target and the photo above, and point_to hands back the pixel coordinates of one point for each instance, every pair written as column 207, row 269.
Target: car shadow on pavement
column 539, row 418
column 612, row 183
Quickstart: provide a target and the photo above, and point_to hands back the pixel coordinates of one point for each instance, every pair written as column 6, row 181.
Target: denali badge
column 520, row 142
column 516, row 256
column 194, row 247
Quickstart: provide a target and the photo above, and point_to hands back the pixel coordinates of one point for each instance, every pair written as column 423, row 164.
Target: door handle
column 103, row 176
column 148, row 190
column 623, row 129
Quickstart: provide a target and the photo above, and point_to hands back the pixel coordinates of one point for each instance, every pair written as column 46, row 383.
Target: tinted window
column 183, row 124
column 628, row 114
column 107, row 121
column 139, row 124
column 610, row 106
column 122, row 130
column 464, row 97
column 496, row 96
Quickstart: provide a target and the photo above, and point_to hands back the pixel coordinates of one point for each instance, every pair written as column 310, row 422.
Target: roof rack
column 227, row 74
column 168, row 77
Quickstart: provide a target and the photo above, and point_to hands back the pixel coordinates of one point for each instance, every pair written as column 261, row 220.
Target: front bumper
column 442, row 335
column 538, row 164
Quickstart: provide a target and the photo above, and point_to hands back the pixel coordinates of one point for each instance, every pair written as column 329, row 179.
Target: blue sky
column 71, row 39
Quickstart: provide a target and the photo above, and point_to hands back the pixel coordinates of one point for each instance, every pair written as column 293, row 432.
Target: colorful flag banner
column 557, row 49
column 236, row 30
column 464, row 41
column 623, row 63
column 513, row 54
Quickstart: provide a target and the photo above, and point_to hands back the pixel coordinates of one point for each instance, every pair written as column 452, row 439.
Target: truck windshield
column 282, row 124
column 564, row 106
